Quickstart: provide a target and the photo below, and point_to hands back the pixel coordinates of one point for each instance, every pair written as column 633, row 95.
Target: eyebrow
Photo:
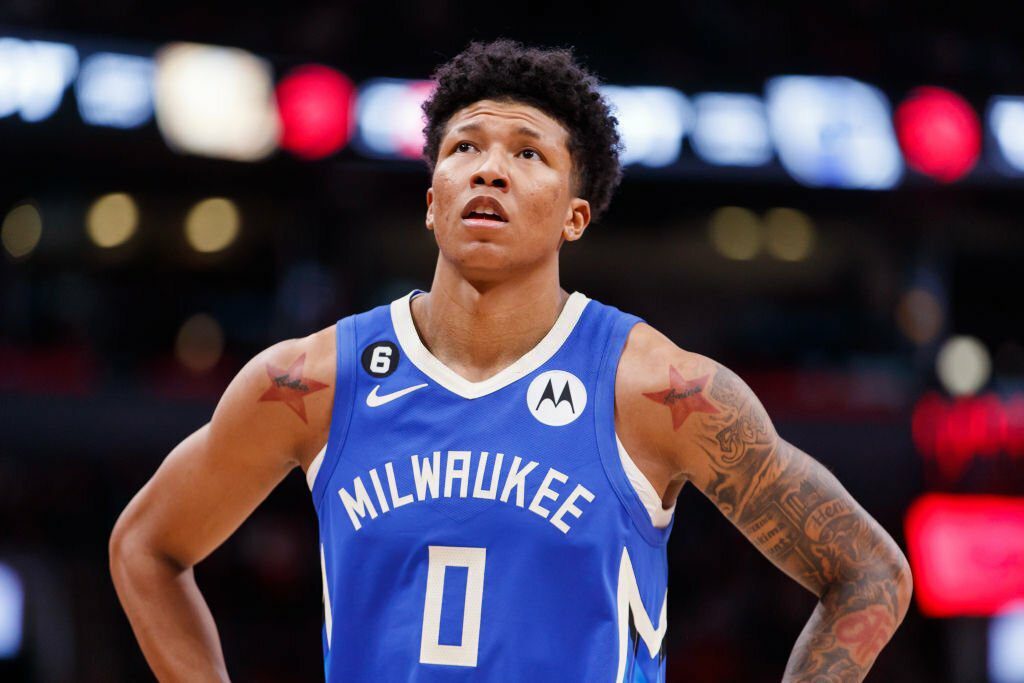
column 476, row 127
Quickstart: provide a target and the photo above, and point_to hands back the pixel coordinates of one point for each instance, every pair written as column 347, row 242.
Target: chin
column 482, row 260
column 482, row 256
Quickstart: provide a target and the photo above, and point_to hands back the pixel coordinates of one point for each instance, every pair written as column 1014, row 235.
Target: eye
column 463, row 146
column 534, row 153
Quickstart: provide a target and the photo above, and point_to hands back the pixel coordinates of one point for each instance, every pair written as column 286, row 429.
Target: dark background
column 92, row 396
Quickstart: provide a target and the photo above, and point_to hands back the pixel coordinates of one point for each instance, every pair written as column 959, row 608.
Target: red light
column 1014, row 412
column 927, row 422
column 315, row 104
column 966, row 552
column 953, row 433
column 939, row 133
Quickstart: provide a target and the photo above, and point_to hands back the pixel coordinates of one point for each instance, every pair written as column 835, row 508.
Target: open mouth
column 483, row 219
column 484, row 212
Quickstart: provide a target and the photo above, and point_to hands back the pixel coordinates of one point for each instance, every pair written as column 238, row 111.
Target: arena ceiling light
column 735, row 233
column 939, row 133
column 1006, row 126
column 21, row 230
column 789, row 234
column 389, row 118
column 12, row 612
column 115, row 90
column 215, row 101
column 731, row 129
column 33, row 77
column 112, row 220
column 833, row 132
column 1006, row 645
column 963, row 365
column 212, row 224
column 652, row 122
column 315, row 103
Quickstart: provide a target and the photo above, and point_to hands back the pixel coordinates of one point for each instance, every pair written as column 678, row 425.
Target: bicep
column 198, row 497
column 214, row 479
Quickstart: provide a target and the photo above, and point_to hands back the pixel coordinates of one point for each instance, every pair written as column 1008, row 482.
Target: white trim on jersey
column 314, row 467
column 409, row 339
column 432, row 367
column 328, row 623
column 660, row 517
column 629, row 600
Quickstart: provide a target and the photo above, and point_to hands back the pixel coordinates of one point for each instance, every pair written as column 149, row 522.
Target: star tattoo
column 290, row 387
column 683, row 397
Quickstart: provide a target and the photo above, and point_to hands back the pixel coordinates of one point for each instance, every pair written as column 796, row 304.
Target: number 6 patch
column 380, row 358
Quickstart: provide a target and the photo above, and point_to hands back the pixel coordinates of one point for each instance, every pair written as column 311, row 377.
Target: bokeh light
column 315, row 106
column 789, row 234
column 919, row 315
column 12, row 612
column 215, row 101
column 963, row 365
column 212, row 224
column 735, row 233
column 112, row 220
column 200, row 343
column 939, row 132
column 1006, row 644
column 21, row 230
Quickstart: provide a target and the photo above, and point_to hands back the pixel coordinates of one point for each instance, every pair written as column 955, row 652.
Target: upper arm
column 273, row 416
column 707, row 422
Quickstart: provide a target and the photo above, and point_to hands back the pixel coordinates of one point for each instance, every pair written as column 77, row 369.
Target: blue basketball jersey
column 485, row 531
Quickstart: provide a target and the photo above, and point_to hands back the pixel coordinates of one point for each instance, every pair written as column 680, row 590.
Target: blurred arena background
column 826, row 197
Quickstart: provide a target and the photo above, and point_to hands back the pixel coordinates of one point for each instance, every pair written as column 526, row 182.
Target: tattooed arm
column 273, row 416
column 694, row 420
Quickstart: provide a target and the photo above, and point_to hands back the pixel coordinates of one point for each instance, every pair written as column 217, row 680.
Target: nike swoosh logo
column 373, row 399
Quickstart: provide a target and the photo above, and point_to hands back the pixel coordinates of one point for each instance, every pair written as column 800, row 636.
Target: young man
column 494, row 463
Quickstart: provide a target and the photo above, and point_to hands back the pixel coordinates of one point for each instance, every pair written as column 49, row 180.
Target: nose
column 491, row 172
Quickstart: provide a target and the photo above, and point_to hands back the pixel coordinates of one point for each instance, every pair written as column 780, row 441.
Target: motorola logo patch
column 556, row 397
column 380, row 358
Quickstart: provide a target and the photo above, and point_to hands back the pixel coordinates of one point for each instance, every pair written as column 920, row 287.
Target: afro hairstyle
column 548, row 79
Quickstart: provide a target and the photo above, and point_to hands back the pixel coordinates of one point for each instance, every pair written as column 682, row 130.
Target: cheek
column 549, row 199
column 443, row 192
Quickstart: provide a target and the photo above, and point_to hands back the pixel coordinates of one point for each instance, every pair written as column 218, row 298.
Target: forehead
column 508, row 117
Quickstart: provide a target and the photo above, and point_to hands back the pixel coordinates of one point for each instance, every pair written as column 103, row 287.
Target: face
column 501, row 197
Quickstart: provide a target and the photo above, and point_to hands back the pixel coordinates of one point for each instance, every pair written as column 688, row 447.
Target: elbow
column 118, row 552
column 894, row 583
column 904, row 579
column 886, row 580
column 133, row 557
column 126, row 552
column 891, row 571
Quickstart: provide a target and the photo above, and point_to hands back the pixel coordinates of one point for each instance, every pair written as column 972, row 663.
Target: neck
column 479, row 328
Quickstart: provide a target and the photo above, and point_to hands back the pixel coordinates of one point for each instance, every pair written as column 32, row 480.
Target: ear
column 577, row 218
column 430, row 209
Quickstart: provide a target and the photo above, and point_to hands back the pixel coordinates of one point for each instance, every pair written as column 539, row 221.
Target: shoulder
column 285, row 393
column 650, row 359
column 668, row 399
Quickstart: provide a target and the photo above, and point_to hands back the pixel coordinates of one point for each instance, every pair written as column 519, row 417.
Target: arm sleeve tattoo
column 801, row 518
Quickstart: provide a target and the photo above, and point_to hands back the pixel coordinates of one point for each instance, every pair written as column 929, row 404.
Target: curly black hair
column 548, row 79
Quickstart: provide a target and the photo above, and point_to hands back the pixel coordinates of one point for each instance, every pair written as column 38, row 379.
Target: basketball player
column 494, row 463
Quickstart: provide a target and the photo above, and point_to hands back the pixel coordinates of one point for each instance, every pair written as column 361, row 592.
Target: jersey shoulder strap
column 350, row 333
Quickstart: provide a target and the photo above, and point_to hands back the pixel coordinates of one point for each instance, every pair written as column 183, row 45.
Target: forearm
column 847, row 630
column 169, row 616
